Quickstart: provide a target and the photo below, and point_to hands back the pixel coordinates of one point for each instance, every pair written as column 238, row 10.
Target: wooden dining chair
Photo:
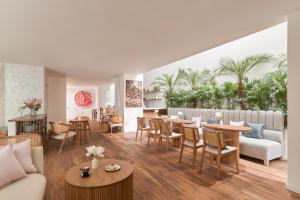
column 79, row 126
column 116, row 121
column 214, row 144
column 192, row 140
column 141, row 128
column 153, row 130
column 167, row 134
column 60, row 131
column 88, row 128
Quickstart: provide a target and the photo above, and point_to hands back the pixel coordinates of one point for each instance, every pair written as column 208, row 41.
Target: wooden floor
column 158, row 175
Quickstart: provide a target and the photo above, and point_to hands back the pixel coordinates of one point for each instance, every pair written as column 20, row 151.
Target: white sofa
column 273, row 144
column 32, row 187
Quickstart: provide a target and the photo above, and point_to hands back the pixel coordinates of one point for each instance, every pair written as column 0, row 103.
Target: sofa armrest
column 277, row 136
column 38, row 158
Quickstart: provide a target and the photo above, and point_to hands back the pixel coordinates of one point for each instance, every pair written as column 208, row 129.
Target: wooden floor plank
column 158, row 175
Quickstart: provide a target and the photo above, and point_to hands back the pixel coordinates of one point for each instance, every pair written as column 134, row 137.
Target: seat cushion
column 191, row 143
column 31, row 187
column 172, row 135
column 214, row 150
column 260, row 148
column 62, row 135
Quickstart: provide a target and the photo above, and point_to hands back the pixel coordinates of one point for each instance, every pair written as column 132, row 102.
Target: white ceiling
column 97, row 40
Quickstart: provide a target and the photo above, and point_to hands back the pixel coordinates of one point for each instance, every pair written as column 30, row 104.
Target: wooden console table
column 31, row 124
column 101, row 185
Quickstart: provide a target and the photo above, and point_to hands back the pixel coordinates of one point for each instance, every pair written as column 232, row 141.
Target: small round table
column 101, row 184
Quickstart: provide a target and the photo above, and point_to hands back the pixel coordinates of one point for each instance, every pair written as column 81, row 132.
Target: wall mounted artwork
column 134, row 94
column 84, row 99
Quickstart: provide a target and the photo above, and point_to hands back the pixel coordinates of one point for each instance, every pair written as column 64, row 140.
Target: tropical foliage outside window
column 199, row 89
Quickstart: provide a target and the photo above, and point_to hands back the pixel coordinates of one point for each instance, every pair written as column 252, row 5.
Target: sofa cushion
column 31, row 187
column 256, row 132
column 22, row 152
column 260, row 148
column 10, row 168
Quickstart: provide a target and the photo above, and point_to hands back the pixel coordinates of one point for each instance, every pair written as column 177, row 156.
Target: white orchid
column 94, row 151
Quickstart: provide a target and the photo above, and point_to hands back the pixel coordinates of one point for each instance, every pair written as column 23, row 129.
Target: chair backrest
column 165, row 127
column 153, row 124
column 84, row 118
column 116, row 119
column 140, row 122
column 213, row 139
column 190, row 133
column 58, row 128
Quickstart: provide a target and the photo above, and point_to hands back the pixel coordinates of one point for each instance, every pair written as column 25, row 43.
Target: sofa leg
column 266, row 162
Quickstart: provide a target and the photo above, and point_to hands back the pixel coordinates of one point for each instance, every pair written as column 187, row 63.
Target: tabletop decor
column 95, row 152
column 85, row 172
column 112, row 167
column 33, row 104
column 219, row 116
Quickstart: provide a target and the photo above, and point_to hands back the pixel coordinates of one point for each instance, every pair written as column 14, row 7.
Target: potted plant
column 95, row 152
column 33, row 104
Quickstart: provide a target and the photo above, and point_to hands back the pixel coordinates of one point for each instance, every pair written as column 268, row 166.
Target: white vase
column 94, row 163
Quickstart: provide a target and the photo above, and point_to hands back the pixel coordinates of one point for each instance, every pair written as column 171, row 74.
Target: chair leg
column 137, row 132
column 211, row 158
column 149, row 136
column 141, row 139
column 167, row 144
column 194, row 156
column 237, row 163
column 181, row 151
column 202, row 158
column 61, row 146
column 218, row 166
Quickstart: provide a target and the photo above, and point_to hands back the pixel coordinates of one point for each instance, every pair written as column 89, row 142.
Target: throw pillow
column 241, row 123
column 197, row 121
column 10, row 168
column 256, row 132
column 22, row 152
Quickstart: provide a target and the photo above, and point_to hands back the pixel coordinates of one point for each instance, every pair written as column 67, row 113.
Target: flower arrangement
column 33, row 104
column 95, row 151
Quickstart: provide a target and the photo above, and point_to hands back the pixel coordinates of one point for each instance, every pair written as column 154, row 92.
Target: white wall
column 130, row 114
column 2, row 89
column 106, row 95
column 272, row 41
column 56, row 95
column 293, row 102
column 22, row 82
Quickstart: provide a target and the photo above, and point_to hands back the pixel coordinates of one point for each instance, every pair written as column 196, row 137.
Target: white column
column 130, row 114
column 294, row 102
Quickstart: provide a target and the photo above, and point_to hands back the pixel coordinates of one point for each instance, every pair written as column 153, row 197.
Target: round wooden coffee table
column 101, row 184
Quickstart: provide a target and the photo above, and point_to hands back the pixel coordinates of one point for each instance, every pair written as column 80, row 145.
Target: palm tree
column 193, row 79
column 167, row 84
column 240, row 69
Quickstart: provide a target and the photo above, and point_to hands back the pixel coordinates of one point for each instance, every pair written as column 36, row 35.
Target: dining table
column 231, row 135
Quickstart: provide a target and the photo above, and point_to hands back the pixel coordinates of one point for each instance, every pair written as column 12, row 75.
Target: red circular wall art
column 83, row 99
